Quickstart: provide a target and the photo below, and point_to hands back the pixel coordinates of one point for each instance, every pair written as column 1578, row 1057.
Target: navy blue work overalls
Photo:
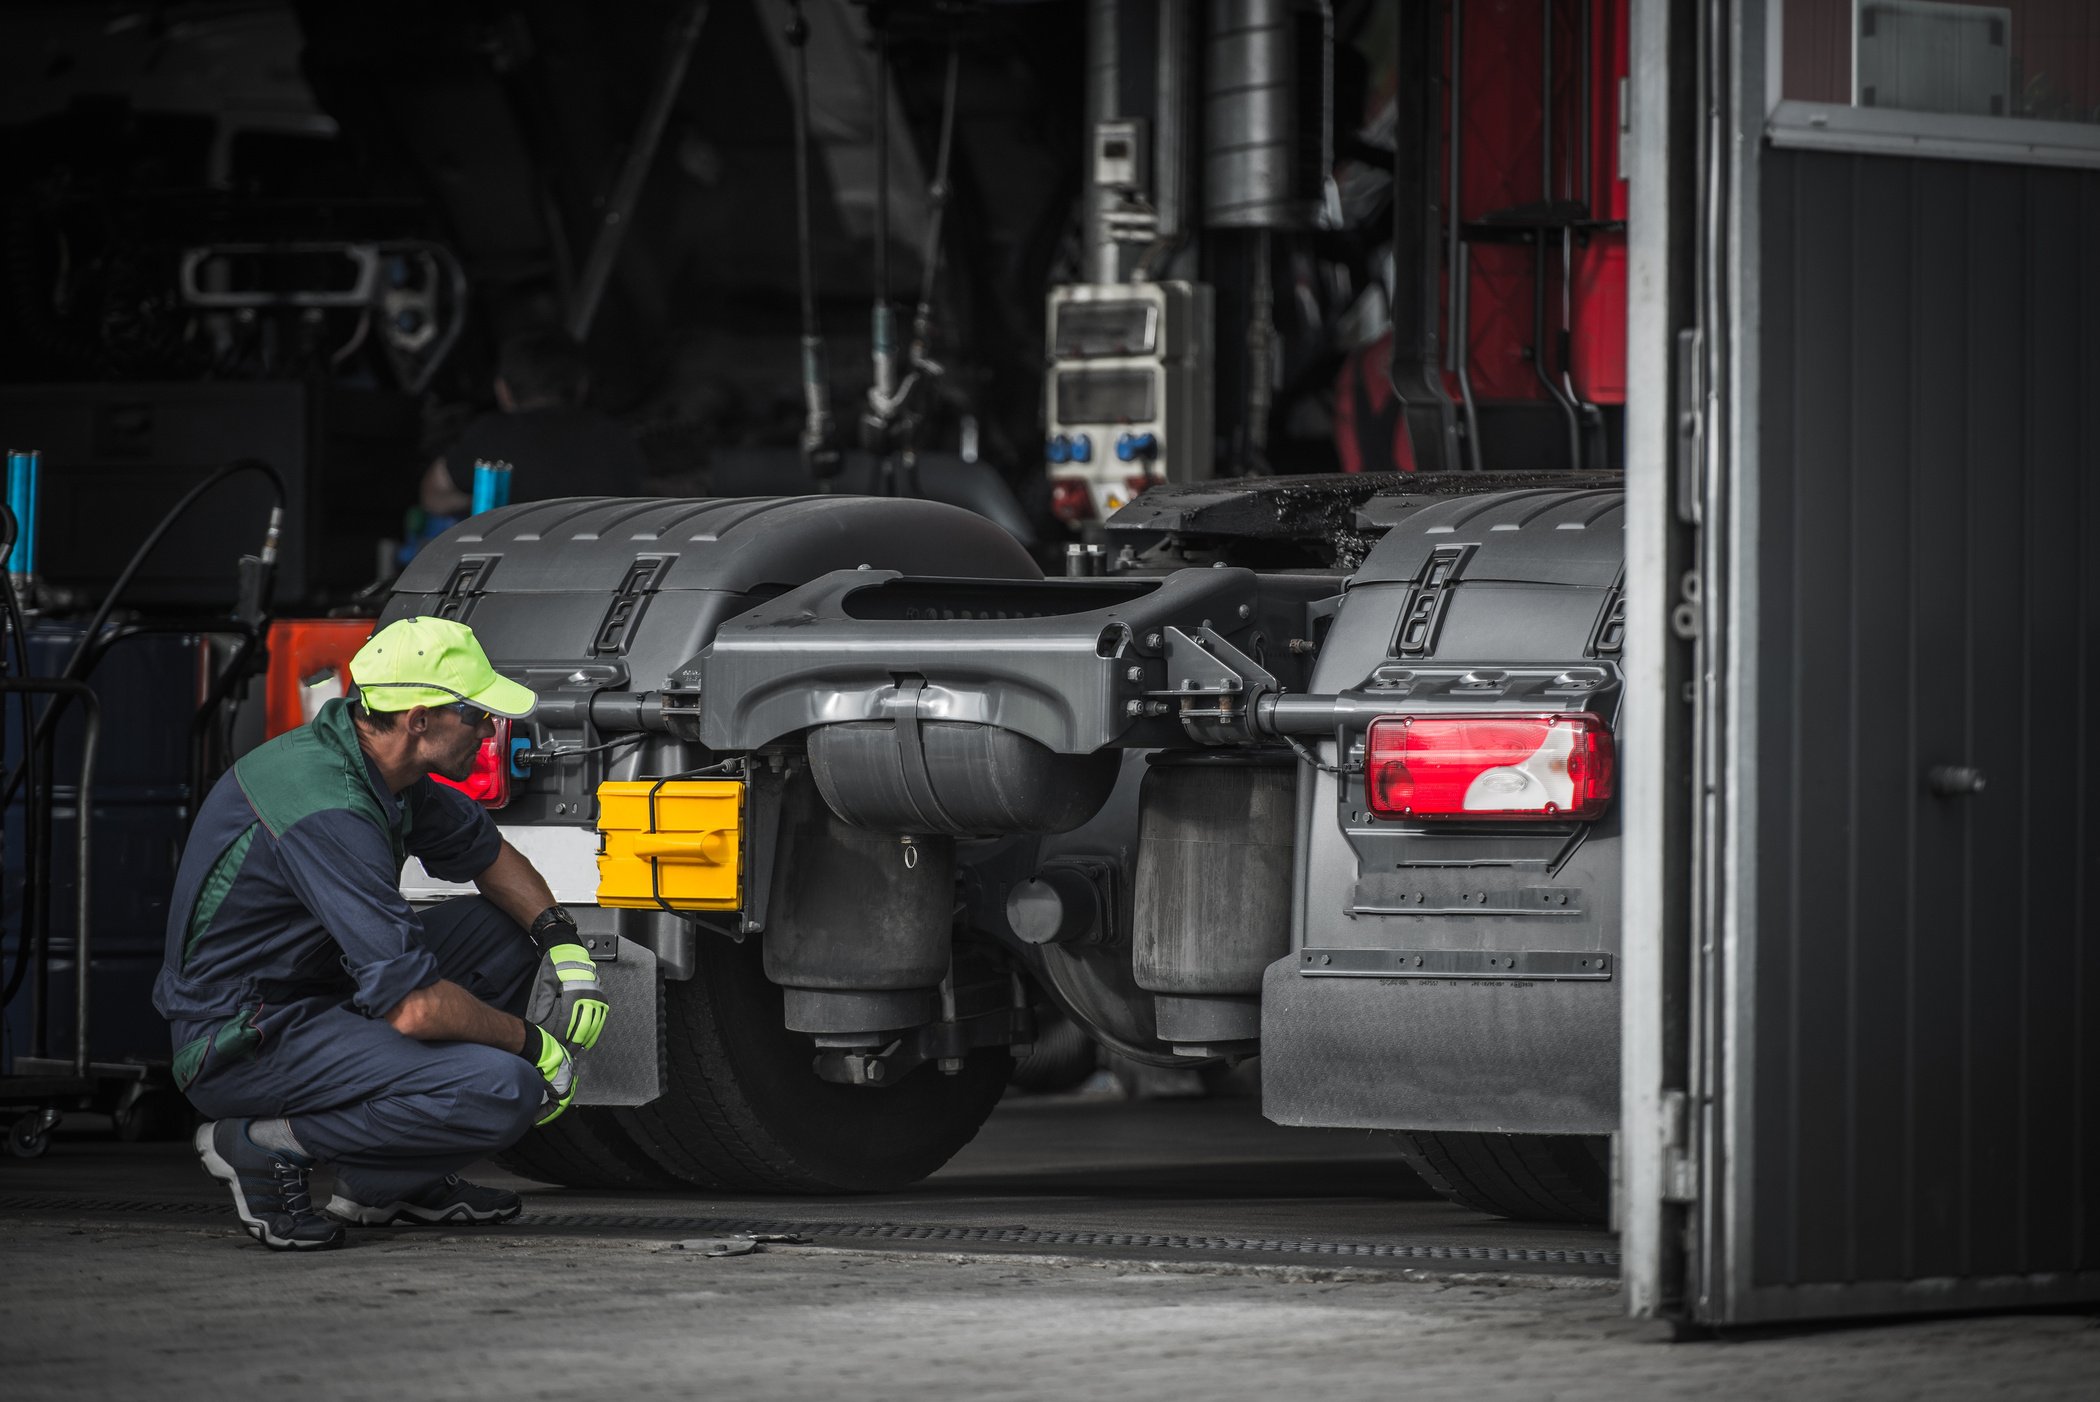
column 289, row 941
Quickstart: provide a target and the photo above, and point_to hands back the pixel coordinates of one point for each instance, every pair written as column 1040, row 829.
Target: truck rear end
column 1350, row 811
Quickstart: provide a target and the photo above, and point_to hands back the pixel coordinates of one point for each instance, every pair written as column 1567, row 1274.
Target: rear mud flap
column 1514, row 1056
column 626, row 1067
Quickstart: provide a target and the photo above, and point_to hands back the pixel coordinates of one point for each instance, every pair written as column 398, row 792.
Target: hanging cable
column 937, row 200
column 883, row 397
column 819, row 451
column 888, row 395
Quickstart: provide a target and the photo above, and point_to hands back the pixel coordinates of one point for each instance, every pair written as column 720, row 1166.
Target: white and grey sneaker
column 452, row 1199
column 269, row 1188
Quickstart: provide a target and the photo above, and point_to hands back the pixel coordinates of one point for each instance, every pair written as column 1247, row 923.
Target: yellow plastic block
column 676, row 843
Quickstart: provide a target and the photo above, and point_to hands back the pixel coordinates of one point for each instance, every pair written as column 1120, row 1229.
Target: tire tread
column 1529, row 1177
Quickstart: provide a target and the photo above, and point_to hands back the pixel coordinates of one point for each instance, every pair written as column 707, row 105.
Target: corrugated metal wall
column 1927, row 1046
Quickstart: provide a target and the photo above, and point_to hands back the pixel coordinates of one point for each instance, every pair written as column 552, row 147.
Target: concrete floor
column 1078, row 1248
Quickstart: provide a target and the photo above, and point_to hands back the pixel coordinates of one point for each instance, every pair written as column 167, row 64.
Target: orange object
column 309, row 662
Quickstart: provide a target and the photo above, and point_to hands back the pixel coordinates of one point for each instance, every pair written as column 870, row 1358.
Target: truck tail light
column 1071, row 501
column 489, row 782
column 1488, row 766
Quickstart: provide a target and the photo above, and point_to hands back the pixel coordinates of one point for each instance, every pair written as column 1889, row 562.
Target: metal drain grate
column 893, row 1231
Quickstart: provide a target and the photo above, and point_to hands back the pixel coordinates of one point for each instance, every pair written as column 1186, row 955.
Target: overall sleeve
column 452, row 834
column 340, row 865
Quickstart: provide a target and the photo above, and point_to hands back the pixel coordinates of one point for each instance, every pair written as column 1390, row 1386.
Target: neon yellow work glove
column 580, row 1008
column 545, row 1051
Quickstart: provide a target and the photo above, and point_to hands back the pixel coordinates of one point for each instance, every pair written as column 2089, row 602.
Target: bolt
column 1133, row 708
column 1135, row 674
column 950, row 1065
column 1152, row 640
column 1246, row 610
column 1326, row 959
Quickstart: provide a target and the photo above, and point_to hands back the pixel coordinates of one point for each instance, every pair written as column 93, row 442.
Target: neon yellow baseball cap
column 433, row 662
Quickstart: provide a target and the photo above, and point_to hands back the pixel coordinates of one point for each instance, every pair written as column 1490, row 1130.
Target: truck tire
column 585, row 1148
column 744, row 1112
column 1530, row 1177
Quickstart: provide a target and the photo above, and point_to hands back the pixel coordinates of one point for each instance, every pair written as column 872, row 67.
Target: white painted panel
column 566, row 856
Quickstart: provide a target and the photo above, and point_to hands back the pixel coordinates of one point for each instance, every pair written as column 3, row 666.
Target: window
column 2010, row 80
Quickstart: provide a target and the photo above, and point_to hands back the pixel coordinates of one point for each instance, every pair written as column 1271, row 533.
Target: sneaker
column 451, row 1200
column 269, row 1189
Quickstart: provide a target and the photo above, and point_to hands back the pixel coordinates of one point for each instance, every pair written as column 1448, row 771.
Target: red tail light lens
column 489, row 783
column 1551, row 766
column 1071, row 501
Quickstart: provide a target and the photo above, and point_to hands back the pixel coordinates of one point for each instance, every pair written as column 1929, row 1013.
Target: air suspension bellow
column 955, row 777
column 859, row 934
column 1213, row 888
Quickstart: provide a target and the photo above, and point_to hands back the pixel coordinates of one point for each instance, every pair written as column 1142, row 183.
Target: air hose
column 76, row 666
column 32, row 834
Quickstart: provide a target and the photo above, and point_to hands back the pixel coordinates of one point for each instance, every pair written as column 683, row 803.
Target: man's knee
column 480, row 1100
column 515, row 1103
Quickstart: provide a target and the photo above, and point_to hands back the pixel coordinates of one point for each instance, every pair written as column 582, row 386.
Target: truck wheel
column 743, row 1111
column 1531, row 1177
column 585, row 1148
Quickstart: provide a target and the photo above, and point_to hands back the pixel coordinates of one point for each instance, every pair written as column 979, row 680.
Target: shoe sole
column 218, row 1168
column 356, row 1213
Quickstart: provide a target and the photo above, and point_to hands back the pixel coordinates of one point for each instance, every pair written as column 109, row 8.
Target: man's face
column 449, row 743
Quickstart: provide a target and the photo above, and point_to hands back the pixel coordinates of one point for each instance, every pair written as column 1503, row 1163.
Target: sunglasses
column 469, row 713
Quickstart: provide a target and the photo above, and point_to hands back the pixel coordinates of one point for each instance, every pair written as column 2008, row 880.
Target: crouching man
column 317, row 1018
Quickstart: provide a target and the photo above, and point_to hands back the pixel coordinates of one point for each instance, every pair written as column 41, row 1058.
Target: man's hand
column 551, row 1059
column 580, row 1008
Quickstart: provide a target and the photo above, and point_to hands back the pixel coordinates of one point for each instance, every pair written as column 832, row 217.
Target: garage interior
column 1097, row 461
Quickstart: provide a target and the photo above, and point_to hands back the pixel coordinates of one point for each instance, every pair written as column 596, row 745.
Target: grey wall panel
column 1927, row 1056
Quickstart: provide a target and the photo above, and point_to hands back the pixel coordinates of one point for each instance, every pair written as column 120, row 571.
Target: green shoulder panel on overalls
column 317, row 768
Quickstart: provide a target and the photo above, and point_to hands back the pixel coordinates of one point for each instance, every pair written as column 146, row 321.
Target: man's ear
column 416, row 719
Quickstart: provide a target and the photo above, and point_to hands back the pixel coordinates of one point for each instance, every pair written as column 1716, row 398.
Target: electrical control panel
column 1129, row 395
